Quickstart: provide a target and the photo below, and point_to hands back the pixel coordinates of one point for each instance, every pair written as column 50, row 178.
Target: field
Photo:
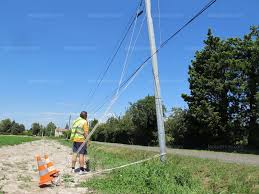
column 178, row 175
column 14, row 140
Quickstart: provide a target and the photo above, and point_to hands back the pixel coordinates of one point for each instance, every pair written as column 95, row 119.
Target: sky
column 52, row 52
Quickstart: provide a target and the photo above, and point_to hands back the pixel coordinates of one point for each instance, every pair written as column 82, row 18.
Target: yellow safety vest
column 77, row 131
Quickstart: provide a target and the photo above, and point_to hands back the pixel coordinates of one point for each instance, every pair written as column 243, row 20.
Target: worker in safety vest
column 79, row 132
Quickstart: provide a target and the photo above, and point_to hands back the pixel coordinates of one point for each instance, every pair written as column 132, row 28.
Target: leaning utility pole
column 159, row 107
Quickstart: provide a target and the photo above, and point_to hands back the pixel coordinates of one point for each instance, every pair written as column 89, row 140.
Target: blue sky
column 52, row 51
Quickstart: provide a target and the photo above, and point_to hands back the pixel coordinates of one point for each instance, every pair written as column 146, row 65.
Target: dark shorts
column 76, row 146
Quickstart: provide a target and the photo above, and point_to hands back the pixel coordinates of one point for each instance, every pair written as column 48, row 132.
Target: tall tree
column 224, row 84
column 208, row 101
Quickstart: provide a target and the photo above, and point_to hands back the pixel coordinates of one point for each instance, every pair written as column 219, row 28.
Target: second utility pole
column 159, row 107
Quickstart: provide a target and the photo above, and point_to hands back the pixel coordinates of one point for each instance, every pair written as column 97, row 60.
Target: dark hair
column 83, row 114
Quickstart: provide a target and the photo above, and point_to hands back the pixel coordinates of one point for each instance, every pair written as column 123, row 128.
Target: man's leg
column 82, row 161
column 74, row 157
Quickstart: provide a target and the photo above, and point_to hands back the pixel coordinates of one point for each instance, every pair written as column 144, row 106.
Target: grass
column 13, row 140
column 178, row 175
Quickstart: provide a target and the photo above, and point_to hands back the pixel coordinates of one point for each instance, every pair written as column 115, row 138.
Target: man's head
column 83, row 115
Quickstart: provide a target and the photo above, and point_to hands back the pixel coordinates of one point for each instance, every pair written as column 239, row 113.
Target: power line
column 134, row 44
column 112, row 58
column 209, row 4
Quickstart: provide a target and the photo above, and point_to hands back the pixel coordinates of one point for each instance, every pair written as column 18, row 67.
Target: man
column 79, row 133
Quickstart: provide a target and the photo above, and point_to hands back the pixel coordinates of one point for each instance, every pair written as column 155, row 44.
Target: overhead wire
column 128, row 54
column 110, row 60
column 125, row 64
column 132, row 49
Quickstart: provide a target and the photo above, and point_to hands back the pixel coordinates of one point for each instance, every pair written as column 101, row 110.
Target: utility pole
column 159, row 107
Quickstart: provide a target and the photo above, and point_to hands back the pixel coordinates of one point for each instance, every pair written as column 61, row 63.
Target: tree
column 224, row 83
column 251, row 53
column 11, row 127
column 36, row 129
column 16, row 128
column 50, row 129
column 5, row 126
column 22, row 128
column 208, row 99
column 93, row 123
column 176, row 127
column 137, row 126
column 143, row 115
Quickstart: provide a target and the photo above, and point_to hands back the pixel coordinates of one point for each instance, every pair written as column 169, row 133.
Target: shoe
column 73, row 171
column 81, row 172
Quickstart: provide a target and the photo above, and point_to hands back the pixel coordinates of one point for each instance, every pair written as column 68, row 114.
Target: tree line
column 137, row 126
column 40, row 130
column 223, row 104
column 9, row 127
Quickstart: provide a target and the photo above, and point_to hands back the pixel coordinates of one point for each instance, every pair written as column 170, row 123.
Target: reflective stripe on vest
column 77, row 131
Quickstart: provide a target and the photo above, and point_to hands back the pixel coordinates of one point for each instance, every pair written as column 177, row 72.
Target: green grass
column 178, row 175
column 13, row 140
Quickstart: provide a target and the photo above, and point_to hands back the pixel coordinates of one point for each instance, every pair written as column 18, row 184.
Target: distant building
column 59, row 132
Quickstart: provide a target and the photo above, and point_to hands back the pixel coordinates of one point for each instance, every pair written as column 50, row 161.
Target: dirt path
column 248, row 159
column 18, row 169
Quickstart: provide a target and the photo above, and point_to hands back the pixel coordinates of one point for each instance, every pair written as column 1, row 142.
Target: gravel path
column 247, row 159
column 18, row 169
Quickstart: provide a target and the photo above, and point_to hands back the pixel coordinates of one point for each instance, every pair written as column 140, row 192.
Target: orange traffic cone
column 50, row 166
column 43, row 172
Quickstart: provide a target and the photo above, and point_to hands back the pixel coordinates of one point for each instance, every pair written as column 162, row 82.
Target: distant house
column 59, row 132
